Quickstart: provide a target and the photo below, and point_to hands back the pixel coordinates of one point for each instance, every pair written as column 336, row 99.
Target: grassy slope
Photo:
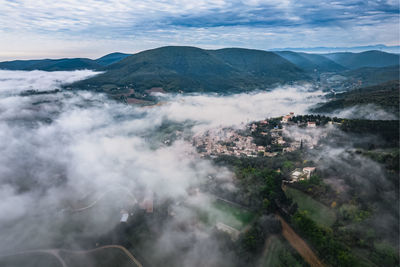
column 226, row 213
column 272, row 256
column 232, row 215
column 318, row 212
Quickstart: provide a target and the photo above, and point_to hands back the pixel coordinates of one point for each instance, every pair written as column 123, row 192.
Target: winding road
column 91, row 205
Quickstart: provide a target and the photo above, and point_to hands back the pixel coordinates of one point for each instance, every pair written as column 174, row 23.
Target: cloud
column 71, row 160
column 14, row 82
column 132, row 25
column 353, row 177
column 367, row 112
column 66, row 150
column 213, row 111
column 70, row 151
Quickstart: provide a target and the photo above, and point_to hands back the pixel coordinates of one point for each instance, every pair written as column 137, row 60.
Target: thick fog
column 214, row 111
column 18, row 81
column 367, row 112
column 73, row 157
column 79, row 151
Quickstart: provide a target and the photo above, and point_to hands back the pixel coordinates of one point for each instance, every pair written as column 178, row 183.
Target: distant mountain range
column 51, row 64
column 63, row 64
column 311, row 62
column 356, row 49
column 111, row 58
column 364, row 59
column 191, row 69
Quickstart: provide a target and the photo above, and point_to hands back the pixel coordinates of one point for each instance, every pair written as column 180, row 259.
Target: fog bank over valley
column 73, row 161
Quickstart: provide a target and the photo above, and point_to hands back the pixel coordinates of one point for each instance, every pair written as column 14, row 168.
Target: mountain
column 192, row 69
column 365, row 59
column 258, row 63
column 64, row 64
column 369, row 76
column 311, row 62
column 385, row 95
column 356, row 49
column 111, row 58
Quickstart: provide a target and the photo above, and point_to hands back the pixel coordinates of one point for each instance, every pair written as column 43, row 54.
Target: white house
column 234, row 233
column 285, row 119
column 124, row 217
column 308, row 171
column 311, row 124
column 296, row 175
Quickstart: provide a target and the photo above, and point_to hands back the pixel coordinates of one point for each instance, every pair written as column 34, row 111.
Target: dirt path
column 118, row 187
column 299, row 244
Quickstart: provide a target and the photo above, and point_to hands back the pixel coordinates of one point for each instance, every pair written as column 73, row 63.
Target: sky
column 91, row 28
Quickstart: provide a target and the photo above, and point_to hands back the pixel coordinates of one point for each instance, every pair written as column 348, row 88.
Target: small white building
column 296, row 175
column 285, row 119
column 234, row 233
column 124, row 217
column 270, row 154
column 281, row 141
column 311, row 124
column 308, row 171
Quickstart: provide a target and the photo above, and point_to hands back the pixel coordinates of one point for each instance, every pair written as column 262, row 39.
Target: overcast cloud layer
column 92, row 28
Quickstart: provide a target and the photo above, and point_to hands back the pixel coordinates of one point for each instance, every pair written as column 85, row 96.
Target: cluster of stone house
column 228, row 141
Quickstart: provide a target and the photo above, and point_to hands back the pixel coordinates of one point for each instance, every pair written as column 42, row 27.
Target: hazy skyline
column 71, row 28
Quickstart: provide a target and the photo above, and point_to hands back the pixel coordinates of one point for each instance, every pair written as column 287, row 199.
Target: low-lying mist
column 366, row 112
column 64, row 150
column 353, row 177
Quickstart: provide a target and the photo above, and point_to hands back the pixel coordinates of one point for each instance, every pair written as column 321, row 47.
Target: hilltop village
column 262, row 138
column 266, row 138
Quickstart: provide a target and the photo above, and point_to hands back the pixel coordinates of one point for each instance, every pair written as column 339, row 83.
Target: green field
column 234, row 216
column 318, row 212
column 280, row 254
column 226, row 213
column 272, row 256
